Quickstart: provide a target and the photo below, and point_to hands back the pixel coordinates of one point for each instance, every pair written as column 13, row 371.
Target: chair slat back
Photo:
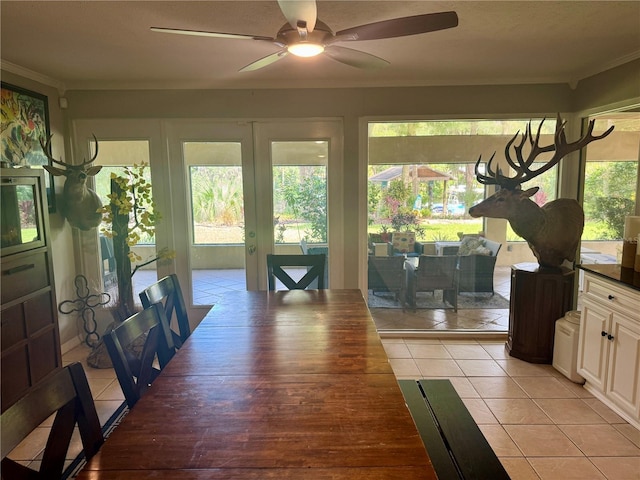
column 438, row 271
column 167, row 291
column 67, row 394
column 385, row 272
column 275, row 264
column 135, row 374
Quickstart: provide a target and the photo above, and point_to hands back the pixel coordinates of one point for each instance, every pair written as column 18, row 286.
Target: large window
column 610, row 182
column 421, row 174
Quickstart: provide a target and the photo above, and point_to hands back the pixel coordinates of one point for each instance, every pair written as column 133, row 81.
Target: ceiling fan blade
column 400, row 27
column 355, row 58
column 200, row 33
column 300, row 10
column 264, row 61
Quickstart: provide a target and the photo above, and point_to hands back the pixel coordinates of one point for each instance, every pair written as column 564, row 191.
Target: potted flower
column 406, row 220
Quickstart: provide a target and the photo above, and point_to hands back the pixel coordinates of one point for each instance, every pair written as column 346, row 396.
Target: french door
column 250, row 188
column 211, row 172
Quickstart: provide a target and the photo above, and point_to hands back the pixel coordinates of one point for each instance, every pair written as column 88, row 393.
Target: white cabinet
column 609, row 345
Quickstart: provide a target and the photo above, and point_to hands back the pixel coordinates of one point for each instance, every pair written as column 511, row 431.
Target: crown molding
column 31, row 75
column 604, row 67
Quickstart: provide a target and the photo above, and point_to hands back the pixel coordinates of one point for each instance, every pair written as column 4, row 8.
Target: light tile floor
column 540, row 424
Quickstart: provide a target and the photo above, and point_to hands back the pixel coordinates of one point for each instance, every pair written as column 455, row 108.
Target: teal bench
column 456, row 446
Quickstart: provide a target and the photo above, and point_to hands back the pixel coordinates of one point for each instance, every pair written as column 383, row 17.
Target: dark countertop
column 625, row 276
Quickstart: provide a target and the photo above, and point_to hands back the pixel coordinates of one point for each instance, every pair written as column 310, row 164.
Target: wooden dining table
column 272, row 385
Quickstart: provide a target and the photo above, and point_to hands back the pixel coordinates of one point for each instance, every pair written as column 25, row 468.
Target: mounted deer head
column 79, row 202
column 553, row 230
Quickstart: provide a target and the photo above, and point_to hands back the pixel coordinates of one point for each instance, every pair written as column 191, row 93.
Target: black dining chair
column 315, row 270
column 65, row 394
column 136, row 372
column 167, row 291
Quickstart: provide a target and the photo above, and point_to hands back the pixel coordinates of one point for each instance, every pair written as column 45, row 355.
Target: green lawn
column 442, row 230
column 448, row 230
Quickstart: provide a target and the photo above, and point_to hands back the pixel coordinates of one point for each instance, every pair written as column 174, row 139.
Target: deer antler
column 560, row 147
column 46, row 147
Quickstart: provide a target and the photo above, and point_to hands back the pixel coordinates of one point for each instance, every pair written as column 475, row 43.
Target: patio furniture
column 447, row 248
column 307, row 250
column 386, row 274
column 433, row 272
column 108, row 264
column 476, row 266
column 404, row 244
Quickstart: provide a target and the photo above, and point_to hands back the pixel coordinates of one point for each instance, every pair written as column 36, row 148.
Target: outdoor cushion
column 403, row 242
column 473, row 246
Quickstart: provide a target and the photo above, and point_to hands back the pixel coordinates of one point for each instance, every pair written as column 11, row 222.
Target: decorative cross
column 84, row 305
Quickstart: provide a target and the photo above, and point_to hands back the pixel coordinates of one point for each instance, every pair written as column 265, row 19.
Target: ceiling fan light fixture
column 306, row 49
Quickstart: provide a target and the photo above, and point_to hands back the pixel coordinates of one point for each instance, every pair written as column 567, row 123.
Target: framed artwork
column 25, row 120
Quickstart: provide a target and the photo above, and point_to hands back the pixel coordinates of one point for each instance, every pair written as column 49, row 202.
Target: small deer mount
column 80, row 204
column 552, row 231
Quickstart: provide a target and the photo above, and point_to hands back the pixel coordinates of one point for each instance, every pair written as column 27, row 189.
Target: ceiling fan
column 306, row 36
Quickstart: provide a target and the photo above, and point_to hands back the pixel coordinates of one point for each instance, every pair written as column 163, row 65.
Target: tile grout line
column 529, row 396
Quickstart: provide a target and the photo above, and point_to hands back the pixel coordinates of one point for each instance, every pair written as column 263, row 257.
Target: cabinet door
column 593, row 347
column 624, row 364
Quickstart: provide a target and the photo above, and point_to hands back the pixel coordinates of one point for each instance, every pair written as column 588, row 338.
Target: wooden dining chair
column 136, row 372
column 65, row 394
column 167, row 291
column 315, row 270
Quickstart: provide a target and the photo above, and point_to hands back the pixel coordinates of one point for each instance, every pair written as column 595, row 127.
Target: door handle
column 252, row 249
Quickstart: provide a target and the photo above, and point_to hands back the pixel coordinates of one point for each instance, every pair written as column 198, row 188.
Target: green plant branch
column 130, row 200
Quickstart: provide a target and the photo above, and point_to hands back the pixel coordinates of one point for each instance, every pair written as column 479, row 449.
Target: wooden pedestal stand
column 539, row 297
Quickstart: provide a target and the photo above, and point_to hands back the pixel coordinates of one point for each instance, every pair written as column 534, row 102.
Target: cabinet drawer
column 15, row 375
column 608, row 294
column 23, row 275
column 43, row 354
column 38, row 313
column 13, row 327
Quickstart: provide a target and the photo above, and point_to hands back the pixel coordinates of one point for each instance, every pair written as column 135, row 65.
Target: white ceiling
column 108, row 44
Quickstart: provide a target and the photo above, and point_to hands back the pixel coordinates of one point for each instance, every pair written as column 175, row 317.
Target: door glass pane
column 611, row 176
column 217, row 219
column 114, row 156
column 300, row 198
column 19, row 223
